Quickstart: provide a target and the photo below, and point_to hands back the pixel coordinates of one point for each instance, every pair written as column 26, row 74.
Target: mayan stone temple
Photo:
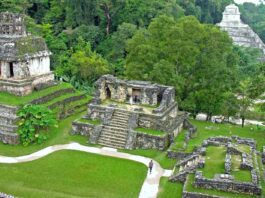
column 240, row 32
column 122, row 106
column 24, row 59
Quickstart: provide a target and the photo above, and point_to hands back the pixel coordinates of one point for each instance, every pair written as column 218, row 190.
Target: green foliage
column 34, row 122
column 86, row 64
column 254, row 16
column 192, row 57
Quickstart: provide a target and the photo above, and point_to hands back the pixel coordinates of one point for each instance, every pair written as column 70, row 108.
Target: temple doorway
column 136, row 93
column 108, row 93
column 11, row 70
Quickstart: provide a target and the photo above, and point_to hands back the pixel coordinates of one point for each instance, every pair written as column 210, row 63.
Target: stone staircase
column 8, row 127
column 115, row 133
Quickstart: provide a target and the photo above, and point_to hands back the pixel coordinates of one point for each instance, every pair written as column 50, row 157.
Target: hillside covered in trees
column 173, row 42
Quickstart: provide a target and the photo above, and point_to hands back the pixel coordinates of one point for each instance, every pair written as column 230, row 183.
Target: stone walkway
column 150, row 185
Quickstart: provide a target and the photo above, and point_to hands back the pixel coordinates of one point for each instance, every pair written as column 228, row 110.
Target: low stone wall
column 146, row 141
column 79, row 128
column 228, row 163
column 186, row 194
column 247, row 141
column 177, row 154
column 226, row 185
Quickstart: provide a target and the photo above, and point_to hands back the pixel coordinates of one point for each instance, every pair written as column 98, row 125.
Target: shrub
column 34, row 123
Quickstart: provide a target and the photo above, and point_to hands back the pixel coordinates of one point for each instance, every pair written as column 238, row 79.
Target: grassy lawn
column 191, row 188
column 73, row 174
column 214, row 161
column 168, row 189
column 178, row 144
column 208, row 129
column 58, row 135
column 9, row 99
column 89, row 121
column 159, row 156
column 150, row 131
column 240, row 175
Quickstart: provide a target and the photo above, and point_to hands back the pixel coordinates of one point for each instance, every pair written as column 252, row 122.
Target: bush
column 34, row 123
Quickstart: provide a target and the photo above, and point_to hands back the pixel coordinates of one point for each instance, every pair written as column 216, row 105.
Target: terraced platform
column 62, row 98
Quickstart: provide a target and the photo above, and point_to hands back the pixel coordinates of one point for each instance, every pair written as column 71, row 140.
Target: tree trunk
column 243, row 121
column 108, row 17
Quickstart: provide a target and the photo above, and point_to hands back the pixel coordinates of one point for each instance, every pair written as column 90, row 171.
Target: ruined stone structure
column 221, row 181
column 24, row 59
column 121, row 106
column 241, row 33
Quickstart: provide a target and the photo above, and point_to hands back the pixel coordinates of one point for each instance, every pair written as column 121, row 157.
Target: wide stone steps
column 111, row 134
column 112, row 139
column 115, row 128
column 116, row 132
column 112, row 145
column 120, row 119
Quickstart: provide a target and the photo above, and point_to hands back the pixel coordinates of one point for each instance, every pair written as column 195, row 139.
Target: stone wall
column 8, row 127
column 146, row 141
column 80, row 128
column 22, row 87
column 225, row 184
column 186, row 194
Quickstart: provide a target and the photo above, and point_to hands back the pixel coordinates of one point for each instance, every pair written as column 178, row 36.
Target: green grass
column 191, row 188
column 150, row 131
column 73, row 174
column 214, row 161
column 240, row 175
column 89, row 121
column 178, row 144
column 62, row 97
column 208, row 129
column 159, row 156
column 9, row 99
column 168, row 189
column 59, row 135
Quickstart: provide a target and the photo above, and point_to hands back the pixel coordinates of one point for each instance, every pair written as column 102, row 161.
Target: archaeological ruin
column 240, row 155
column 24, row 59
column 240, row 32
column 121, row 106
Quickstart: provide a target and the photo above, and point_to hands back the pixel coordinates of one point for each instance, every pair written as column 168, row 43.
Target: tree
column 80, row 12
column 192, row 57
column 86, row 64
column 244, row 98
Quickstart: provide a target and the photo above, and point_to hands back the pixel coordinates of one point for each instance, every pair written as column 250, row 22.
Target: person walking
column 151, row 164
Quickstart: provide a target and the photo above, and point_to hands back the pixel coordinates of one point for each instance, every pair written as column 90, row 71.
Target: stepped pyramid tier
column 241, row 33
column 122, row 106
column 24, row 59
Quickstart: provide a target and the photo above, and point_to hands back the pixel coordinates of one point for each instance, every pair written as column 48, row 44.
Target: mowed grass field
column 73, row 174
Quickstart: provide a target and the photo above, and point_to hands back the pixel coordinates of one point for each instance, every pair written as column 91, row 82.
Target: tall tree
column 191, row 56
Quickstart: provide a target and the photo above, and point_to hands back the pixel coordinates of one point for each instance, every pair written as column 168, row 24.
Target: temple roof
column 15, row 44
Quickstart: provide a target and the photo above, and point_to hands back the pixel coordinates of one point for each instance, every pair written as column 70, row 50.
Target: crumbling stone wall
column 146, row 141
column 227, row 185
column 84, row 129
